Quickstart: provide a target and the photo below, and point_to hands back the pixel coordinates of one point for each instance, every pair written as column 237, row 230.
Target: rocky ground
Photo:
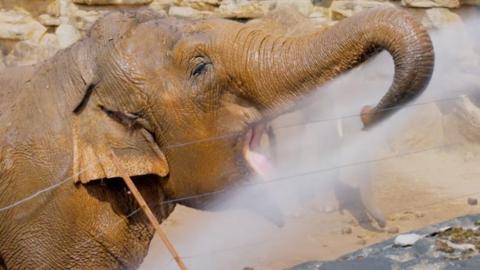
column 449, row 245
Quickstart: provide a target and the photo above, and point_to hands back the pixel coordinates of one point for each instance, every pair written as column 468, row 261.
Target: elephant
column 182, row 104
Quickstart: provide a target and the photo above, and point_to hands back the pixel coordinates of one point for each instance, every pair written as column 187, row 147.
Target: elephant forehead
column 170, row 29
column 157, row 38
column 150, row 46
column 149, row 38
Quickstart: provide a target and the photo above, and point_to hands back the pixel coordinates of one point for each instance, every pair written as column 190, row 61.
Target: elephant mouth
column 258, row 160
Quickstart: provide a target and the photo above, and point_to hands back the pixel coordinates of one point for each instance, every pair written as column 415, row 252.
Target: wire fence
column 269, row 240
column 293, row 177
column 257, row 243
column 222, row 137
column 316, row 121
column 307, row 173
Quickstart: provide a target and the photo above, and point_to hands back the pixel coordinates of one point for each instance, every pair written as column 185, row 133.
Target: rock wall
column 33, row 30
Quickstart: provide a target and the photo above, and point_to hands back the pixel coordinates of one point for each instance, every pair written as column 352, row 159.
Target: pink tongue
column 260, row 163
column 257, row 136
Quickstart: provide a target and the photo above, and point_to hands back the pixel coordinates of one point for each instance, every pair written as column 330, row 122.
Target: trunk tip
column 366, row 115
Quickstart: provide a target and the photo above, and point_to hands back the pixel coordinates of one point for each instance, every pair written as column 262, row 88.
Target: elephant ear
column 96, row 131
column 96, row 134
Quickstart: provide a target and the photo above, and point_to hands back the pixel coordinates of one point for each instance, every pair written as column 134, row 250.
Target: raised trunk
column 284, row 69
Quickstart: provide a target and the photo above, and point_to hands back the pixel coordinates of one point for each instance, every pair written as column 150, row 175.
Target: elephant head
column 188, row 99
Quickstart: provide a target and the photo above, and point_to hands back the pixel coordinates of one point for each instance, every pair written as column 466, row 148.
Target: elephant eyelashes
column 130, row 120
column 200, row 67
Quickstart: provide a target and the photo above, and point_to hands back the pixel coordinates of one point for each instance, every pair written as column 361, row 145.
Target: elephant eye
column 201, row 66
column 199, row 69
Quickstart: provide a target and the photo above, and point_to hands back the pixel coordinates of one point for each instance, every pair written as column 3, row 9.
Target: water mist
column 320, row 145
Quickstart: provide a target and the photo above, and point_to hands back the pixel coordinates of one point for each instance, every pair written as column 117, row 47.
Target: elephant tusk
column 148, row 212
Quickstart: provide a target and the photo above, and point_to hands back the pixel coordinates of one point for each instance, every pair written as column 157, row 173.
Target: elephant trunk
column 287, row 68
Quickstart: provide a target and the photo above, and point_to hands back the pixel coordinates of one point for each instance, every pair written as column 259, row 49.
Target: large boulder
column 20, row 25
column 461, row 120
column 470, row 2
column 67, row 35
column 438, row 18
column 243, row 9
column 208, row 5
column 33, row 7
column 421, row 128
column 431, row 3
column 341, row 9
column 188, row 12
column 320, row 15
column 28, row 52
column 162, row 5
column 49, row 20
column 84, row 19
column 112, row 2
column 305, row 7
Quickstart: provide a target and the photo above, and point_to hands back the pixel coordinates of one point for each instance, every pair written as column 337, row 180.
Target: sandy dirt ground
column 419, row 188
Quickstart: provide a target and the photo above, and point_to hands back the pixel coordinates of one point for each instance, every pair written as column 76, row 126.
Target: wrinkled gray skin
column 152, row 90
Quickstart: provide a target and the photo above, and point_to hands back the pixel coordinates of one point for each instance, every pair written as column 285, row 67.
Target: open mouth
column 258, row 158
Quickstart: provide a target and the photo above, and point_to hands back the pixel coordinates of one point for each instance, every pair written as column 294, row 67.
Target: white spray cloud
column 329, row 137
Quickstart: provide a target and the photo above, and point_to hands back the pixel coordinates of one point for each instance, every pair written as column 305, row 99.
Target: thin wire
column 259, row 243
column 293, row 177
column 308, row 173
column 234, row 134
column 32, row 196
column 225, row 136
column 450, row 99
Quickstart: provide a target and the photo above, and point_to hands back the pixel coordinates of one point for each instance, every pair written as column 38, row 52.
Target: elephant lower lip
column 258, row 161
